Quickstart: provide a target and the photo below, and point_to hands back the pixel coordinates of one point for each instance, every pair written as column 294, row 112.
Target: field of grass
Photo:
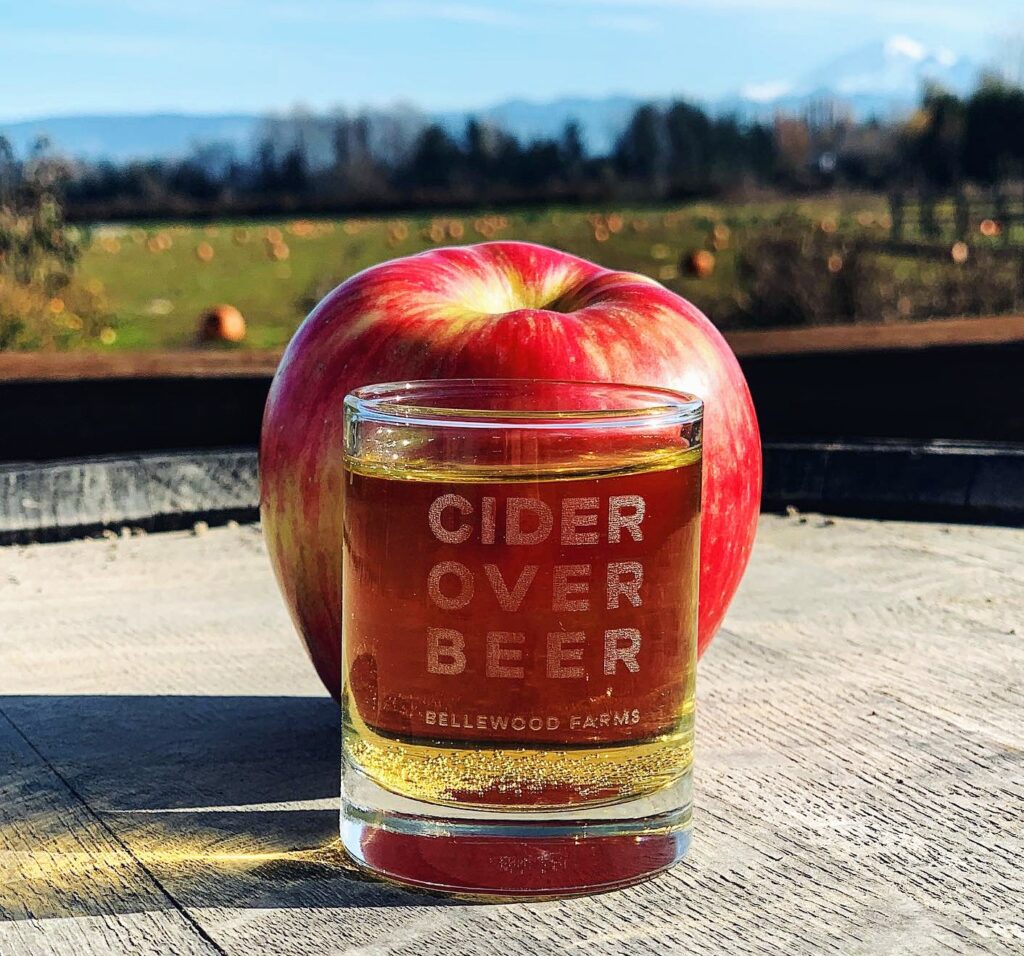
column 158, row 278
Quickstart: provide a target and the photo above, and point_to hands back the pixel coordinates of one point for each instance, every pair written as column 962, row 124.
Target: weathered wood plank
column 192, row 363
column 937, row 333
column 859, row 382
column 936, row 480
column 67, row 884
column 57, row 501
column 859, row 781
column 63, row 500
column 181, row 363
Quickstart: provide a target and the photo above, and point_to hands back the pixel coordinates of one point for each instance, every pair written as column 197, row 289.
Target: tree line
column 372, row 163
column 378, row 161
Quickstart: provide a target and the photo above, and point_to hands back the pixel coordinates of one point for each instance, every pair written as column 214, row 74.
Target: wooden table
column 169, row 763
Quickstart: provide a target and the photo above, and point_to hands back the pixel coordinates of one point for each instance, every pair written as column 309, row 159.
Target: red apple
column 495, row 310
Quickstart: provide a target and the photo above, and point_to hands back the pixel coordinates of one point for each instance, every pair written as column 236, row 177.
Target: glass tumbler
column 519, row 633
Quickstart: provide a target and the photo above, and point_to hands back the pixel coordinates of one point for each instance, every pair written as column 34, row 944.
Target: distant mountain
column 601, row 120
column 883, row 79
column 123, row 137
column 127, row 137
column 895, row 69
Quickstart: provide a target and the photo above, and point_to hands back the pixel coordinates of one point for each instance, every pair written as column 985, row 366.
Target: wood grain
column 67, row 884
column 55, row 501
column 859, row 781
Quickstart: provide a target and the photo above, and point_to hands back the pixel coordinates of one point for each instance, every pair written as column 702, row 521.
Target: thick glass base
column 509, row 854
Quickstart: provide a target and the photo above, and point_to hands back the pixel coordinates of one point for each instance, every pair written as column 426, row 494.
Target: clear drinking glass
column 519, row 634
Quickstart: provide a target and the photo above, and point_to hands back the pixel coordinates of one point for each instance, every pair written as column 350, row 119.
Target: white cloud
column 326, row 11
column 709, row 6
column 765, row 92
column 452, row 12
column 633, row 15
column 905, row 46
column 136, row 46
column 624, row 22
column 954, row 16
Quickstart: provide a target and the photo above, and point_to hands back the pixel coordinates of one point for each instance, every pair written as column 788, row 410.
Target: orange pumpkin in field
column 700, row 263
column 222, row 323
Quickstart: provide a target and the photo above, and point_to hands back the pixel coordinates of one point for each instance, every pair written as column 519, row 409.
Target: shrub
column 41, row 303
column 796, row 272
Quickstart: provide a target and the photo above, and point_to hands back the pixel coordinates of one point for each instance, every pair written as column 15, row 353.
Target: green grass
column 157, row 296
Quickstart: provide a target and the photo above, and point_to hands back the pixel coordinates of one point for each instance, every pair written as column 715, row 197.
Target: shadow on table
column 224, row 801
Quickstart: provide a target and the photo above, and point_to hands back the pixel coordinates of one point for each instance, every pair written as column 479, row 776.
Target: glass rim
column 402, row 403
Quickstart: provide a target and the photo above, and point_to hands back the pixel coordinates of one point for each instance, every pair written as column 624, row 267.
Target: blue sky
column 77, row 56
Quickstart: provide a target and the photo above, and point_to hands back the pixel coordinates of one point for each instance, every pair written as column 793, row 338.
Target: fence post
column 929, row 225
column 897, row 209
column 963, row 213
column 1001, row 211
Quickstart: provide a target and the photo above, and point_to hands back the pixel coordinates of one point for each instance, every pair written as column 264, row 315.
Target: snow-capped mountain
column 880, row 79
column 897, row 67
